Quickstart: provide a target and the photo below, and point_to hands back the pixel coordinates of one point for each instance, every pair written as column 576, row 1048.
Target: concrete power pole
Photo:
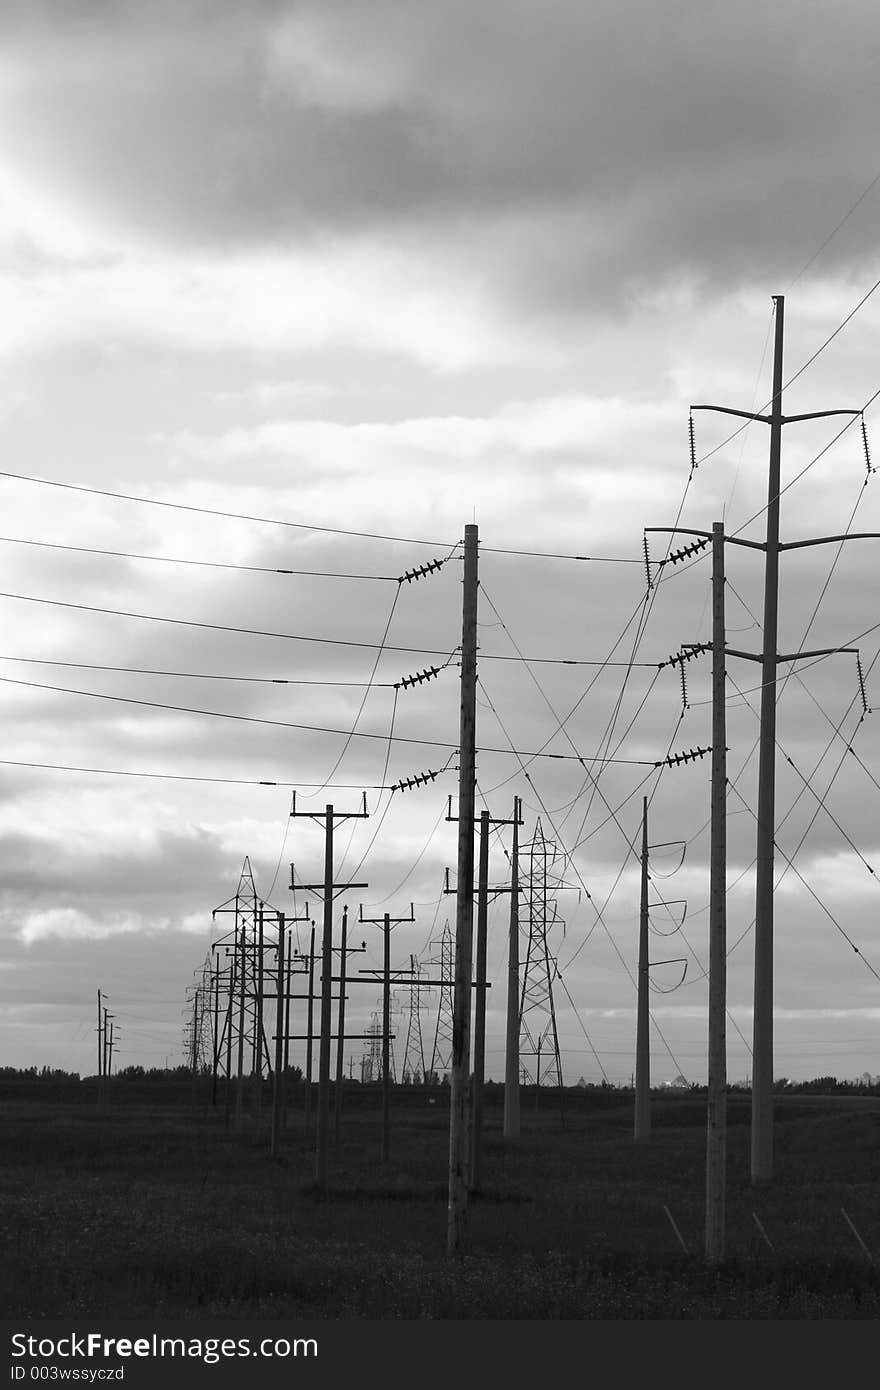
column 511, row 1055
column 716, row 1119
column 464, row 921
column 762, row 1045
column 642, row 1126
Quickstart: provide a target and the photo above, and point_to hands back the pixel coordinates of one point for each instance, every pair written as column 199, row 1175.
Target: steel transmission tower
column 413, row 1068
column 539, row 880
column 441, row 1052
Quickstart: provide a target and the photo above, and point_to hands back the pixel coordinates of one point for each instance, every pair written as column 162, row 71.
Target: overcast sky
column 370, row 272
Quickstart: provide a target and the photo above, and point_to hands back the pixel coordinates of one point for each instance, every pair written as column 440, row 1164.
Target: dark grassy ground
column 152, row 1210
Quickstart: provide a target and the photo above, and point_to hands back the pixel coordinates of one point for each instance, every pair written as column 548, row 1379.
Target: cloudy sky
column 312, row 286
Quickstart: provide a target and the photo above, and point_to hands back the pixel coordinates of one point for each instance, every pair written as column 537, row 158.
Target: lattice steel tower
column 540, row 878
column 441, row 1052
column 414, row 1069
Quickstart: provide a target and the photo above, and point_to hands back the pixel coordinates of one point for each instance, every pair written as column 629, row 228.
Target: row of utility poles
column 247, row 985
column 469, row 995
column 106, row 1045
column 769, row 659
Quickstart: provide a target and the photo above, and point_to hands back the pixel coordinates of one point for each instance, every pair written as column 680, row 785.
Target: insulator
column 688, row 550
column 407, row 783
column 684, row 689
column 675, row 759
column 862, row 690
column 867, row 450
column 428, row 674
column 647, row 562
column 692, row 444
column 421, row 571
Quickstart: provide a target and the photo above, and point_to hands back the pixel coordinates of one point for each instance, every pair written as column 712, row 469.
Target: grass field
column 158, row 1210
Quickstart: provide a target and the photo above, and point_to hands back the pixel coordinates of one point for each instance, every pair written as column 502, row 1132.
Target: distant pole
column 386, row 1039
column 310, row 1033
column 100, row 1053
column 642, row 1127
column 461, row 1019
column 287, row 974
column 480, row 1005
column 326, row 998
column 215, row 1050
column 511, row 1060
column 328, row 889
column 279, row 1040
column 762, row 1041
column 716, row 1136
column 195, row 1033
column 340, row 1029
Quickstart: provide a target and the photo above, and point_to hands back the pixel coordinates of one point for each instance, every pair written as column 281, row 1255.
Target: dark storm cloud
column 615, row 142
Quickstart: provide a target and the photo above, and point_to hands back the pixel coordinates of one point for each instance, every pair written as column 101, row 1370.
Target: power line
column 292, row 636
column 192, row 675
column 203, row 564
column 177, row 776
column 289, row 724
column 299, row 525
column 815, row 896
column 846, row 216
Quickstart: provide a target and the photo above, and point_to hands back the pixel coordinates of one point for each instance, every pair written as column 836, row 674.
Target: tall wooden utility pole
column 464, row 919
column 328, row 888
column 511, row 1055
column 642, row 1126
column 762, row 1042
column 716, row 1120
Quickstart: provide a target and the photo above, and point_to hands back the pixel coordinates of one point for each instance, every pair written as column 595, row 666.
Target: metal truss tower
column 244, row 1050
column 414, row 1070
column 539, row 880
column 441, row 1052
column 371, row 1063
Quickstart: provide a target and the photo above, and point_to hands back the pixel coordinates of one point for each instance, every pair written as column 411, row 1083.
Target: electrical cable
column 201, row 564
column 192, row 675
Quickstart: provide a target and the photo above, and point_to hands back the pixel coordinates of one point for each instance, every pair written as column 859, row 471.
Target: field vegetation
column 153, row 1206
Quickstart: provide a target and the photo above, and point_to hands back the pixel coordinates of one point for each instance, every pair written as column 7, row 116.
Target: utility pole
column 642, row 1128
column 762, row 1044
column 278, row 1087
column 716, row 1132
column 386, row 921
column 328, row 887
column 100, row 1053
column 481, row 986
column 480, row 1005
column 340, row 1030
column 464, row 921
column 511, row 1055
column 215, row 1036
column 310, row 1035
